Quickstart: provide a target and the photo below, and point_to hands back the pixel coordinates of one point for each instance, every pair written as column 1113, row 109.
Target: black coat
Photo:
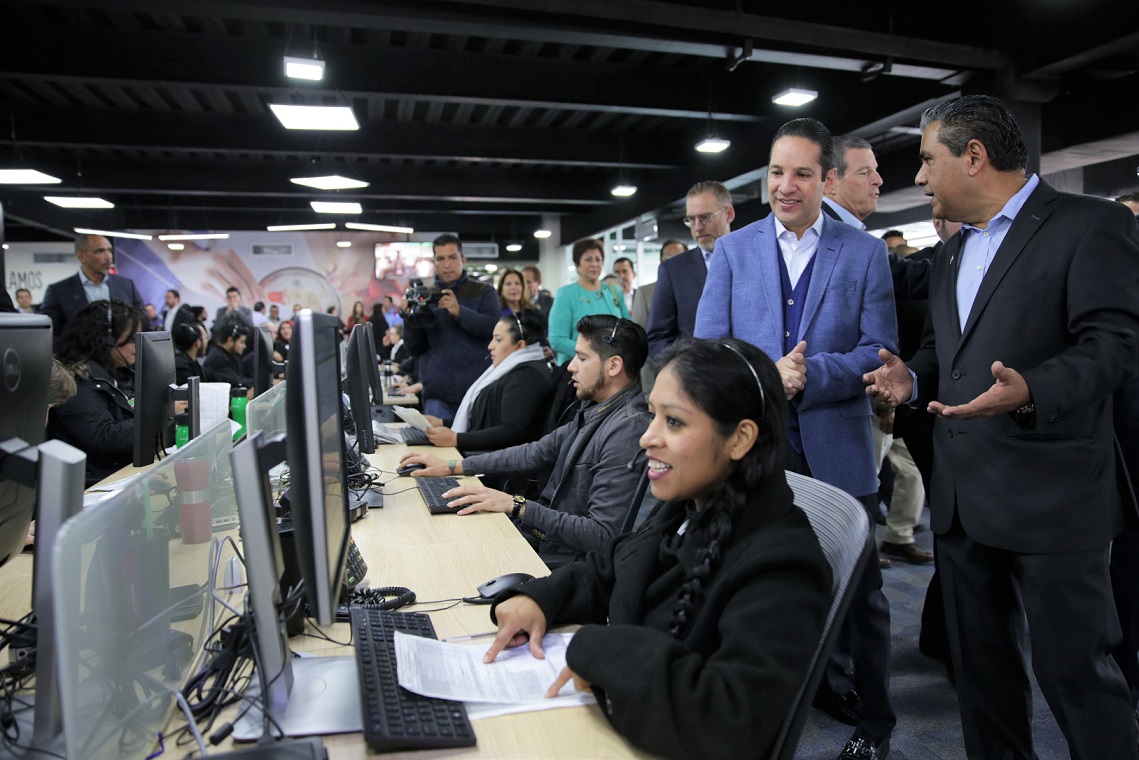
column 63, row 299
column 185, row 367
column 221, row 366
column 510, row 410
column 722, row 690
column 98, row 420
column 1058, row 305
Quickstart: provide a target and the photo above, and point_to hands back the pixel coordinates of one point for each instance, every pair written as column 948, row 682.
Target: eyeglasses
column 127, row 341
column 704, row 219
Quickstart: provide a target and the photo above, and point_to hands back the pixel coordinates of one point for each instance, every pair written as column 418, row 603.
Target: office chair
column 846, row 538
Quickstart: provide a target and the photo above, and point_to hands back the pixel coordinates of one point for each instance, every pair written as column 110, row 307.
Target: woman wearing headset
column 97, row 347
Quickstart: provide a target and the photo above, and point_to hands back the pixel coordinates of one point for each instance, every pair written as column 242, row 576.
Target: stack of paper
column 515, row 682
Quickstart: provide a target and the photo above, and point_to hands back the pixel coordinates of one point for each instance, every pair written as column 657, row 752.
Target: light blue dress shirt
column 979, row 246
column 101, row 292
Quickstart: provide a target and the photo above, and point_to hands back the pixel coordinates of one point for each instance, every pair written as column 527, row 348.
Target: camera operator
column 452, row 346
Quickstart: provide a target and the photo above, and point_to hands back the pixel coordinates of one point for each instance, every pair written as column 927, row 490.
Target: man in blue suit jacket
column 708, row 212
column 817, row 297
column 94, row 282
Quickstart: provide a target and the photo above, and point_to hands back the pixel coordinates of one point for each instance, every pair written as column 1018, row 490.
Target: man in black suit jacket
column 94, row 282
column 709, row 213
column 539, row 299
column 1033, row 324
column 176, row 312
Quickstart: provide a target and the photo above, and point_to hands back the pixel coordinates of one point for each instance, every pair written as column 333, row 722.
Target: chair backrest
column 843, row 530
column 563, row 401
column 641, row 503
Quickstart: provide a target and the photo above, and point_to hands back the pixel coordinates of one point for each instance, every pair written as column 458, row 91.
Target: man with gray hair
column 94, row 282
column 851, row 195
column 709, row 213
column 1025, row 342
column 851, row 192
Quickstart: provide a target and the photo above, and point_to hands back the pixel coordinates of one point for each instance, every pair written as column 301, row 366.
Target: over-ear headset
column 611, row 339
column 109, row 340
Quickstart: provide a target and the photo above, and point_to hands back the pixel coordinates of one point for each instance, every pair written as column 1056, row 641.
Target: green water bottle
column 181, row 429
column 238, row 400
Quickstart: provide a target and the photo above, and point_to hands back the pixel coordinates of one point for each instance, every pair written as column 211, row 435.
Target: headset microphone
column 633, row 462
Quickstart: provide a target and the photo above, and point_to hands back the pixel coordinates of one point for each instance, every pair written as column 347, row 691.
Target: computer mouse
column 507, row 582
column 407, row 469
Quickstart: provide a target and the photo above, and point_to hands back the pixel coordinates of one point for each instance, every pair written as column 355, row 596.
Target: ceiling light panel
column 315, row 117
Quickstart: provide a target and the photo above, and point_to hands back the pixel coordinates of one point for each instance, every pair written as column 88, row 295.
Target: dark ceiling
column 481, row 116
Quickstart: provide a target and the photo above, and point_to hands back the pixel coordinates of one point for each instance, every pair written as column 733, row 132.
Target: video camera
column 421, row 302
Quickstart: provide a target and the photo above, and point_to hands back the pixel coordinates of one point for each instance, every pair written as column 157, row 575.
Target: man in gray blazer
column 234, row 307
column 93, row 282
column 1033, row 323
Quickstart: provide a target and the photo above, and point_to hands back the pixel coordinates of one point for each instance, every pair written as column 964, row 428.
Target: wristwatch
column 519, row 502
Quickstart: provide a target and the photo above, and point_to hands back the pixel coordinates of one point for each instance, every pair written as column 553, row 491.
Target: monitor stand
column 325, row 699
column 35, row 747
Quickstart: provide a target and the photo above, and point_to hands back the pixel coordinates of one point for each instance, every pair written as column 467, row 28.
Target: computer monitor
column 43, row 478
column 356, row 382
column 25, row 351
column 153, row 407
column 262, row 348
column 373, row 366
column 316, row 455
column 305, row 696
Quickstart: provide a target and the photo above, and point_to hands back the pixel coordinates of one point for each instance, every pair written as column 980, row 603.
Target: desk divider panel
column 133, row 604
column 266, row 413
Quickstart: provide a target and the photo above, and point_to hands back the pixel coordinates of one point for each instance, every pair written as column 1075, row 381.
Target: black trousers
column 863, row 639
column 1067, row 602
column 1124, row 569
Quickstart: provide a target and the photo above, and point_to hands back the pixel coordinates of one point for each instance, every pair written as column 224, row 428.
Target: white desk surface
column 438, row 557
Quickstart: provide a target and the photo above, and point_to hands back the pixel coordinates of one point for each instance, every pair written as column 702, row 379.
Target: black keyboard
column 433, row 489
column 413, row 436
column 395, row 718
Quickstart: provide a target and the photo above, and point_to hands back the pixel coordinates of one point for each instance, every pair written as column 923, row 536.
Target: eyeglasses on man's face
column 704, row 219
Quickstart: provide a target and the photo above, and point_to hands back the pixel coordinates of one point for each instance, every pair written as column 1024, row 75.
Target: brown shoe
column 907, row 553
column 883, row 563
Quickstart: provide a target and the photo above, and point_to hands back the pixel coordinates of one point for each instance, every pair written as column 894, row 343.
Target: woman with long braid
column 699, row 626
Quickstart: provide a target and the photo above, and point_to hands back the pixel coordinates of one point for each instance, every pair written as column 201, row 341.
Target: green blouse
column 571, row 303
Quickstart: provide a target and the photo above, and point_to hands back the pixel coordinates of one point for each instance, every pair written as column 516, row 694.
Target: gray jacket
column 591, row 481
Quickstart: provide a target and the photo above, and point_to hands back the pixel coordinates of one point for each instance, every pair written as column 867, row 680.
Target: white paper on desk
column 213, row 403
column 91, row 498
column 481, row 710
column 412, row 417
column 456, row 671
column 384, row 434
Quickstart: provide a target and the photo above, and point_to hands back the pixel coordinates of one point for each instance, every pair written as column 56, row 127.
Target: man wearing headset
column 592, row 460
column 223, row 360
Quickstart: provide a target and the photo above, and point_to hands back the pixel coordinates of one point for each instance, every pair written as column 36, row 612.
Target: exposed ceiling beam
column 751, row 26
column 237, row 134
column 658, row 27
column 461, row 184
column 254, row 66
